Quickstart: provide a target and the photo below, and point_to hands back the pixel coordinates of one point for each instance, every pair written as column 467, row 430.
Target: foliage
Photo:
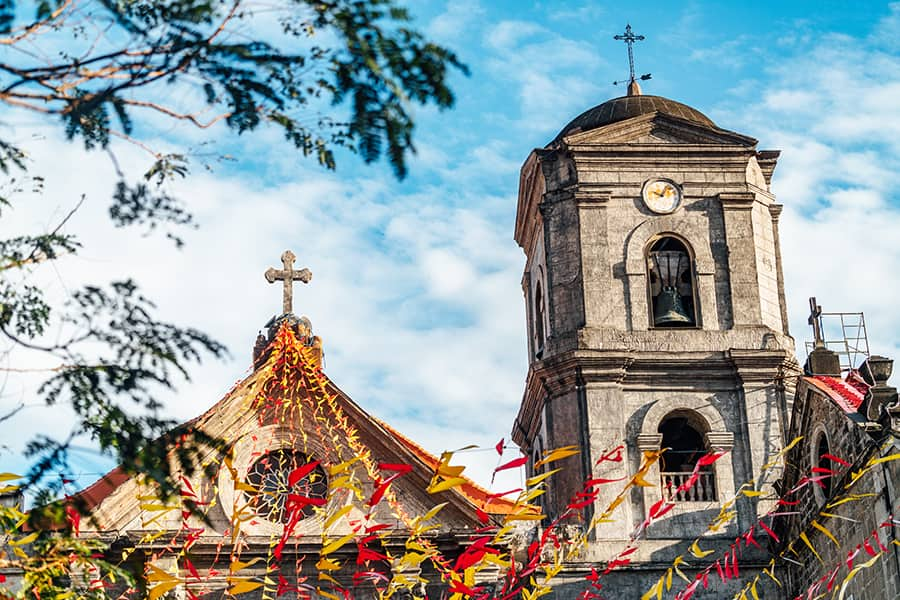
column 111, row 62
column 117, row 70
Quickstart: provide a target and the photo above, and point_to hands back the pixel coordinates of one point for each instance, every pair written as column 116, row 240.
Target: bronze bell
column 668, row 309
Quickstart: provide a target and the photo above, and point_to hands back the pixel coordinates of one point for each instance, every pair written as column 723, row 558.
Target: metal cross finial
column 815, row 315
column 288, row 275
column 629, row 38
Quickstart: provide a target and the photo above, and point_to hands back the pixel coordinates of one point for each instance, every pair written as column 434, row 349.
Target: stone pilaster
column 742, row 268
column 775, row 211
column 564, row 273
column 592, row 214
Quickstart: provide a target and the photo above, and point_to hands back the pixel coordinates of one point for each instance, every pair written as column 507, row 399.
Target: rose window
column 287, row 483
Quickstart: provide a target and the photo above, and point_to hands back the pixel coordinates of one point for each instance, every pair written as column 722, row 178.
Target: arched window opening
column 538, row 319
column 671, row 281
column 536, row 457
column 824, row 463
column 683, row 441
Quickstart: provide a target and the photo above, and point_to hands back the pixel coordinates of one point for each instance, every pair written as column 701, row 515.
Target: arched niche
column 540, row 318
column 684, row 443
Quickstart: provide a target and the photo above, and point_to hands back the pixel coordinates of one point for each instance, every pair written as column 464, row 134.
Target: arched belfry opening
column 684, row 444
column 671, row 281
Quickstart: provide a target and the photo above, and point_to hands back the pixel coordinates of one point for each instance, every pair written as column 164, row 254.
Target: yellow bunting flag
column 853, row 573
column 558, row 454
column 810, row 546
column 336, row 544
column 697, row 552
column 822, row 528
column 656, row 591
column 242, row 586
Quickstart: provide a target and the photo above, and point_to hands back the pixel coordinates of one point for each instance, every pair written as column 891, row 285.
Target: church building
column 673, row 445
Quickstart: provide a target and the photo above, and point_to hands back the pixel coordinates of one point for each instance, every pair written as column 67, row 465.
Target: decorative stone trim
column 737, row 200
column 677, row 224
column 649, row 441
column 722, row 440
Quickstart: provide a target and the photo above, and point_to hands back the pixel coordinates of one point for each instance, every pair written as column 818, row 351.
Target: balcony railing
column 703, row 490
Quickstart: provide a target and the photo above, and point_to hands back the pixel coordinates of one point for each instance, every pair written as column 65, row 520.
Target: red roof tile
column 95, row 493
column 848, row 394
column 473, row 492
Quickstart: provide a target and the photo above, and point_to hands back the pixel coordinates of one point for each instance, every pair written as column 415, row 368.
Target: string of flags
column 367, row 537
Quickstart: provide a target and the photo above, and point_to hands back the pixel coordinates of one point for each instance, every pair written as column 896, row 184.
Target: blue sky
column 416, row 287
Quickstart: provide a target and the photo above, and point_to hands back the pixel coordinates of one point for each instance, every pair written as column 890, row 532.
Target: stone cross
column 629, row 38
column 288, row 275
column 815, row 312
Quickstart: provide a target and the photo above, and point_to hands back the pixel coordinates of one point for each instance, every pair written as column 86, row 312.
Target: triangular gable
column 656, row 128
column 289, row 403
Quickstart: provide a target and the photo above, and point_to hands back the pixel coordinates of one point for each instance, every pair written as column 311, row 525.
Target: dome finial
column 634, row 88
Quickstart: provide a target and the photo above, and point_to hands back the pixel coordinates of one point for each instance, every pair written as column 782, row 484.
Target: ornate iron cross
column 288, row 275
column 629, row 38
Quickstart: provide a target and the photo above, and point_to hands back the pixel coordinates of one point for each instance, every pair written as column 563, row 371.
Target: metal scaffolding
column 845, row 334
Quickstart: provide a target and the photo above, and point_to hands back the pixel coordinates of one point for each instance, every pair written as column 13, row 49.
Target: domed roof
column 619, row 109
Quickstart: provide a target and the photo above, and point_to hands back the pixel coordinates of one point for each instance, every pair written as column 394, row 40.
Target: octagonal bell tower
column 656, row 317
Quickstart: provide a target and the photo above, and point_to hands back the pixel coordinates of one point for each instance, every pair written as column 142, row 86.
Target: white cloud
column 585, row 13
column 831, row 109
column 552, row 75
column 456, row 20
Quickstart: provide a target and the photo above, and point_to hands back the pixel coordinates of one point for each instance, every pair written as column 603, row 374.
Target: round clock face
column 661, row 196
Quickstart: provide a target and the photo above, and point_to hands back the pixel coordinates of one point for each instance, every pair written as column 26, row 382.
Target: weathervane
column 288, row 275
column 629, row 38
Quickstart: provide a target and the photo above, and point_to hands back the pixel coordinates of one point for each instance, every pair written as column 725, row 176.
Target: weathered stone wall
column 856, row 523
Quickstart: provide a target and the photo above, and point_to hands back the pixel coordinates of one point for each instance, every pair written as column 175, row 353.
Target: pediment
column 285, row 416
column 659, row 128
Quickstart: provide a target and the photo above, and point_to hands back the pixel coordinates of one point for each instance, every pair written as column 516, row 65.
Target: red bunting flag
column 614, row 455
column 301, row 472
column 514, row 463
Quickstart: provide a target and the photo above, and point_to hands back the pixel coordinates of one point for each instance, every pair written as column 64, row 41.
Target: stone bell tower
column 656, row 318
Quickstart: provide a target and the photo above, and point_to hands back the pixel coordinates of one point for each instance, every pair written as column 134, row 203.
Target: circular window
column 280, row 474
